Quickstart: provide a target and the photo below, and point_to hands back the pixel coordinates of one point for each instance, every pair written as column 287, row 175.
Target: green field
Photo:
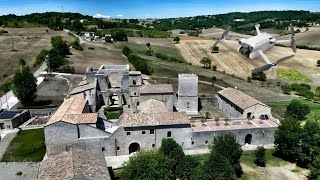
column 28, row 145
column 279, row 108
column 292, row 75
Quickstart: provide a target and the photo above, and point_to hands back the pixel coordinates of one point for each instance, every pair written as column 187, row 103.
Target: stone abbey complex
column 115, row 111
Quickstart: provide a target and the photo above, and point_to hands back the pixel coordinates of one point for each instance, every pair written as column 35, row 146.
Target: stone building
column 188, row 94
column 160, row 92
column 10, row 119
column 236, row 104
column 76, row 163
column 152, row 114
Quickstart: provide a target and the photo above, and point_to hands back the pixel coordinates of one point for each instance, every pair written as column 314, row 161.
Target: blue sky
column 153, row 8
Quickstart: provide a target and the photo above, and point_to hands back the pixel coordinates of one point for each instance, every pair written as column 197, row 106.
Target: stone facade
column 140, row 129
column 188, row 94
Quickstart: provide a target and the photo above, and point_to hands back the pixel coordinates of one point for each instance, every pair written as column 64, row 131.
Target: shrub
column 318, row 62
column 214, row 67
column 66, row 69
column 261, row 76
column 318, row 91
column 213, row 78
column 149, row 52
column 140, row 64
column 119, row 35
column 76, row 45
column 286, row 88
column 260, row 156
column 126, row 51
column 41, row 57
column 249, row 78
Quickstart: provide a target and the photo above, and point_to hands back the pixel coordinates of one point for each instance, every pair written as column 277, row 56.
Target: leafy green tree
column 318, row 62
column 310, row 146
column 55, row 59
column 24, row 85
column 217, row 167
column 119, row 35
column 147, row 165
column 61, row 45
column 149, row 52
column 288, row 139
column 260, row 156
column 228, row 147
column 172, row 149
column 297, row 110
column 76, row 45
column 186, row 167
column 315, row 170
column 176, row 39
column 206, row 62
column 126, row 51
column 41, row 57
column 249, row 78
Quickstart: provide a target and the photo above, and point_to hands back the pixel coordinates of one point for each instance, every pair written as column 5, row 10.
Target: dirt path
column 274, row 173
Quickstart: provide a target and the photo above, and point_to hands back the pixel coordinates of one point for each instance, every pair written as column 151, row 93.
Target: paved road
column 9, row 100
column 8, row 170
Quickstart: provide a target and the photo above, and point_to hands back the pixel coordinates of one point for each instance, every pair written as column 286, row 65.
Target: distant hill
column 240, row 22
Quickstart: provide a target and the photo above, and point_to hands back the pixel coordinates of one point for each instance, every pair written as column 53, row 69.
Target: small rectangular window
column 153, row 145
column 192, row 143
column 206, row 142
column 118, row 148
column 151, row 131
column 143, row 132
column 128, row 133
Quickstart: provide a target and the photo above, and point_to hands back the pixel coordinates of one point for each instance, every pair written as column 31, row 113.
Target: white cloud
column 101, row 16
column 120, row 15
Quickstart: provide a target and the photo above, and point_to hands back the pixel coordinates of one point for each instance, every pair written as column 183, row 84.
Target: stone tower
column 188, row 94
column 135, row 82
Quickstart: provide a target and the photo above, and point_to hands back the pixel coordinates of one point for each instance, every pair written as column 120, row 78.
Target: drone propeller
column 293, row 39
column 224, row 34
column 269, row 66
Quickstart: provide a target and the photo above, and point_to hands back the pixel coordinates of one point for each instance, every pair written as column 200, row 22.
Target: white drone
column 254, row 47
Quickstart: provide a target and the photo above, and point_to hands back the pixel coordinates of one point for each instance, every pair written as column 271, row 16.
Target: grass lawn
column 292, row 75
column 27, row 146
column 113, row 112
column 248, row 158
column 279, row 108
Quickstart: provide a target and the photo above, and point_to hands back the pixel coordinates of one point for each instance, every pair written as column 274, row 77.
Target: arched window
column 169, row 134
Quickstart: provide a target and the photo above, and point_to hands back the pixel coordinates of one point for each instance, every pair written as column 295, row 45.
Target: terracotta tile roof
column 71, row 111
column 153, row 119
column 82, row 88
column 156, row 89
column 74, row 164
column 239, row 98
column 152, row 106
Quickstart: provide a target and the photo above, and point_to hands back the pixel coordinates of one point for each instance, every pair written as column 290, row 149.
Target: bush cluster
column 139, row 63
column 301, row 89
column 167, row 58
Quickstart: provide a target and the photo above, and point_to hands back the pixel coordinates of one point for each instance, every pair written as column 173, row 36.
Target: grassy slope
column 27, row 146
column 292, row 74
column 279, row 108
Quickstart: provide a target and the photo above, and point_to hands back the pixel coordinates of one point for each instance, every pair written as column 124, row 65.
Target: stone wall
column 166, row 98
column 188, row 94
column 260, row 136
column 209, row 101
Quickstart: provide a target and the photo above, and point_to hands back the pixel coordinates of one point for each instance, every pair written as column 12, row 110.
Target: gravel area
column 29, row 170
